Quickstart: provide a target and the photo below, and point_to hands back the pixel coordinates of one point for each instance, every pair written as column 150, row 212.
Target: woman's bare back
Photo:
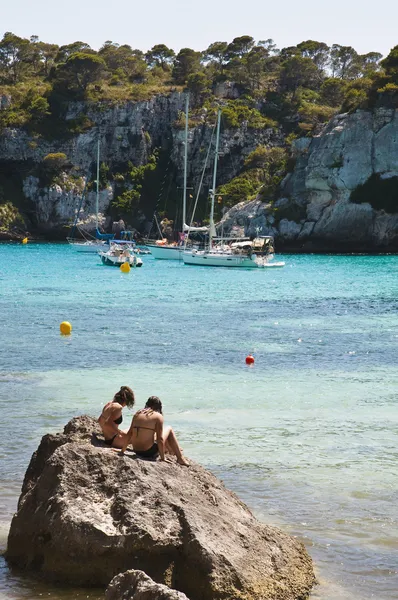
column 143, row 428
column 111, row 413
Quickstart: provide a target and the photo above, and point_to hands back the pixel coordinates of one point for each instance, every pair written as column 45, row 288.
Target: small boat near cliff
column 163, row 249
column 231, row 252
column 119, row 254
column 256, row 254
column 90, row 243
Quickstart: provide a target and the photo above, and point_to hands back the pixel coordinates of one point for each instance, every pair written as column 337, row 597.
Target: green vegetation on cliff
column 299, row 87
column 293, row 91
column 9, row 216
column 130, row 186
column 262, row 173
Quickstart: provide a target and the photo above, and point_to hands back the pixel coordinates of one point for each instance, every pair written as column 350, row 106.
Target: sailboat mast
column 97, row 194
column 184, row 197
column 213, row 191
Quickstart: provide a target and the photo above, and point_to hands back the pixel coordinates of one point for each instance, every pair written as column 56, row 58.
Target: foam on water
column 308, row 437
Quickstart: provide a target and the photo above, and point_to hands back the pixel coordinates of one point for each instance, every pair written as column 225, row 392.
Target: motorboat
column 120, row 253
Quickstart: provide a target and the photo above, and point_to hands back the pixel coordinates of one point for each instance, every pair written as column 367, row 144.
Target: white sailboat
column 101, row 240
column 165, row 251
column 245, row 254
column 162, row 249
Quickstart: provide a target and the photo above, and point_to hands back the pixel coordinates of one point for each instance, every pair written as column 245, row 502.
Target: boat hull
column 115, row 261
column 224, row 260
column 166, row 252
column 89, row 246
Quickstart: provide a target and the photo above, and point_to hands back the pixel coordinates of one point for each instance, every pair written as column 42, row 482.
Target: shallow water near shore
column 307, row 437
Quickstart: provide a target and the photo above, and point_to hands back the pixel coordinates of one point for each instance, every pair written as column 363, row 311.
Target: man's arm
column 159, row 436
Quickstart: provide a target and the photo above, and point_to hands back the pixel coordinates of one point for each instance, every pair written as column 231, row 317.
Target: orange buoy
column 250, row 359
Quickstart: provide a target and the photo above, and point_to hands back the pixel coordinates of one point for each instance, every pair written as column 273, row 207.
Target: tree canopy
column 296, row 86
column 292, row 91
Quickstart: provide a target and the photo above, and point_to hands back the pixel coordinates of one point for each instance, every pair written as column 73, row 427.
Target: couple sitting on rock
column 147, row 434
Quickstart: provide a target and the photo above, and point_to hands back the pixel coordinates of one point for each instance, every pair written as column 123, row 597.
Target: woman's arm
column 159, row 436
column 127, row 441
column 109, row 416
column 128, row 436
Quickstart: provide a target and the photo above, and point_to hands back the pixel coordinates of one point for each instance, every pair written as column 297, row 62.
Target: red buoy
column 250, row 359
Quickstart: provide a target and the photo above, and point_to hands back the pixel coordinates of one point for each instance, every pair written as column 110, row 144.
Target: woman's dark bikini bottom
column 110, row 441
column 152, row 452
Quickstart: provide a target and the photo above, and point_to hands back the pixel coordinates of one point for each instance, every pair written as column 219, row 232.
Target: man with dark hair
column 148, row 435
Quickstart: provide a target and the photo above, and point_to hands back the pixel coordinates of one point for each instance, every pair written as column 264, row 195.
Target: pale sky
column 364, row 24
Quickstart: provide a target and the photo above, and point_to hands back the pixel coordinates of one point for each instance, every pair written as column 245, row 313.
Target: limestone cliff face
column 315, row 210
column 128, row 133
column 121, row 128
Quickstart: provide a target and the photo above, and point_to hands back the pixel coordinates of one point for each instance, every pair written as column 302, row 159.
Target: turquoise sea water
column 307, row 437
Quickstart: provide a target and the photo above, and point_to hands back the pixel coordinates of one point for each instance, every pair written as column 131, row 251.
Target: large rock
column 328, row 169
column 86, row 514
column 57, row 204
column 136, row 585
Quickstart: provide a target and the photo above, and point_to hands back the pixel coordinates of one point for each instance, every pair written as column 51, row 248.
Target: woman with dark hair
column 148, row 436
column 111, row 417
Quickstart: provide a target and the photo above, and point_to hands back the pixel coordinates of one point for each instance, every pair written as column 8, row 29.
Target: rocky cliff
column 342, row 194
column 87, row 513
column 128, row 133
